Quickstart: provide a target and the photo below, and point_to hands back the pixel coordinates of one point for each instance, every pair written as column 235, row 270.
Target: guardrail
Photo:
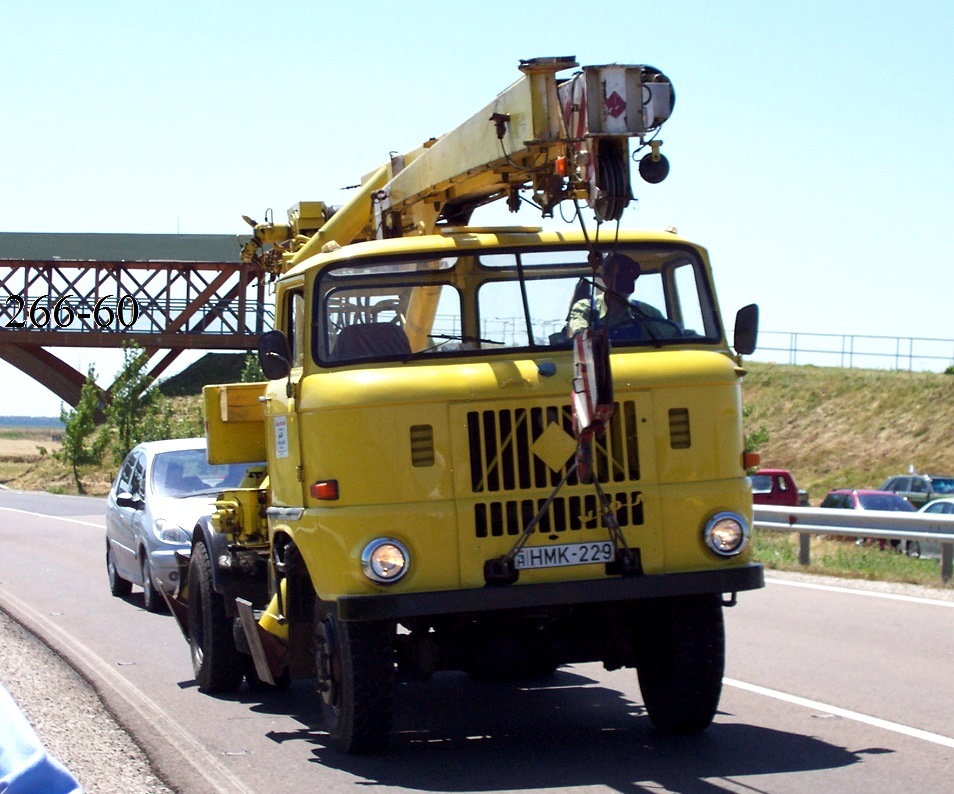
column 886, row 524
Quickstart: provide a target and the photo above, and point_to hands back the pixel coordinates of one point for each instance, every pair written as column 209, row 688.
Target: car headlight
column 726, row 534
column 385, row 560
column 169, row 531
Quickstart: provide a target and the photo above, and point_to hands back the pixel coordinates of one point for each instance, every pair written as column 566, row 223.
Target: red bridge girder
column 165, row 306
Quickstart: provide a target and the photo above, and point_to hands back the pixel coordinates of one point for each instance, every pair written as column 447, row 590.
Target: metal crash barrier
column 881, row 524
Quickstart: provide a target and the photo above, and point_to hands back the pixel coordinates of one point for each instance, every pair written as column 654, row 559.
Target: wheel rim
column 147, row 588
column 196, row 630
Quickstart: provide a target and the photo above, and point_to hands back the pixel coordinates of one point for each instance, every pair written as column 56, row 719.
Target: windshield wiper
column 450, row 338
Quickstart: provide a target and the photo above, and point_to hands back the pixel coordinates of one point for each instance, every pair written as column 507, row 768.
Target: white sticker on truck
column 281, row 437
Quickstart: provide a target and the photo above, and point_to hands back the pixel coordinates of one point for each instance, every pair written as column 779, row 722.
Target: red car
column 868, row 499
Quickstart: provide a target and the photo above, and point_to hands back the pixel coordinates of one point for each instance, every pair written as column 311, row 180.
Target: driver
column 622, row 317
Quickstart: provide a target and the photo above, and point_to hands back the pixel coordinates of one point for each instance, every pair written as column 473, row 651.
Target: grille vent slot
column 422, row 445
column 679, row 435
column 566, row 513
column 500, row 444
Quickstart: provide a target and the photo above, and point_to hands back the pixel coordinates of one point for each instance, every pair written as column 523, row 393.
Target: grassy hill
column 832, row 427
column 850, row 428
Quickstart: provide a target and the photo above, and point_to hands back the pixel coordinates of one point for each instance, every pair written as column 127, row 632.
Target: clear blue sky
column 809, row 144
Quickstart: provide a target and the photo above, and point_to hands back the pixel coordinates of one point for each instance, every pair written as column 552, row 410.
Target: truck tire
column 217, row 663
column 680, row 674
column 355, row 666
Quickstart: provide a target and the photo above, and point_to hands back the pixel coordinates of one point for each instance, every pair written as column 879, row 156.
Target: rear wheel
column 680, row 675
column 355, row 664
column 118, row 586
column 217, row 663
column 913, row 548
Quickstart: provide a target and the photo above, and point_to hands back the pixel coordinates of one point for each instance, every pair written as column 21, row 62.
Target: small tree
column 136, row 412
column 252, row 371
column 80, row 447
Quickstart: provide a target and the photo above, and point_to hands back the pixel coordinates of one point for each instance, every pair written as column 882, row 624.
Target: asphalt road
column 828, row 688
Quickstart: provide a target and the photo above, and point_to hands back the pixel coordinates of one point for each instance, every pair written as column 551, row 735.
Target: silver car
column 943, row 506
column 162, row 489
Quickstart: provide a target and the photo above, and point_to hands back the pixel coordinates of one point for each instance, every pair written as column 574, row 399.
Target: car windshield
column 186, row 472
column 484, row 301
column 884, row 501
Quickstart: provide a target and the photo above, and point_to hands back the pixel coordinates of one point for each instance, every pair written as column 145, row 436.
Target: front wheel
column 680, row 674
column 217, row 663
column 118, row 586
column 355, row 665
column 154, row 602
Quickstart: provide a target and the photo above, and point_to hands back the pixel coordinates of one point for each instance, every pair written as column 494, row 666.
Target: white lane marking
column 877, row 722
column 853, row 591
column 58, row 518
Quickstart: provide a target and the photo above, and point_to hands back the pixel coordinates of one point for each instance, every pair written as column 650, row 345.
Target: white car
column 162, row 489
column 942, row 506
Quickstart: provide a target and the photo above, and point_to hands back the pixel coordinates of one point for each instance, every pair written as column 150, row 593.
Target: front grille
column 503, row 462
column 573, row 513
column 501, row 441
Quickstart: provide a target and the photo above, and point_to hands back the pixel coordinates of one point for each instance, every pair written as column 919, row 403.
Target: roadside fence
column 890, row 525
column 855, row 350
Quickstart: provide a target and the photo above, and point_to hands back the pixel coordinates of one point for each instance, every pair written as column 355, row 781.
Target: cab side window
column 295, row 327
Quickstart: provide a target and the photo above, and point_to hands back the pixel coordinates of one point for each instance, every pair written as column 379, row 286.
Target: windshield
column 511, row 300
column 884, row 501
column 186, row 472
column 944, row 485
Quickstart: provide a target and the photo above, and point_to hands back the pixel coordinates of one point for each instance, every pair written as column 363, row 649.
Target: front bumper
column 591, row 591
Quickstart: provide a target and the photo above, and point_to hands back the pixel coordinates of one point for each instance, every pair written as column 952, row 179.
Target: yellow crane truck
column 457, row 478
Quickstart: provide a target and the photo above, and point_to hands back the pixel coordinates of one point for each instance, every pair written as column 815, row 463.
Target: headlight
column 169, row 531
column 726, row 534
column 385, row 560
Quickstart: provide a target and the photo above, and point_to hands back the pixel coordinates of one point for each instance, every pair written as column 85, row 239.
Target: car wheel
column 118, row 586
column 913, row 548
column 355, row 666
column 681, row 675
column 153, row 599
column 217, row 663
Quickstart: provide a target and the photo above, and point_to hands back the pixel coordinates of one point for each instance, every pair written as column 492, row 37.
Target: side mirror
column 125, row 499
column 746, row 329
column 274, row 357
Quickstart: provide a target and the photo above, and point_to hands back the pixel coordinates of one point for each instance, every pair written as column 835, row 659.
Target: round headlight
column 726, row 534
column 385, row 560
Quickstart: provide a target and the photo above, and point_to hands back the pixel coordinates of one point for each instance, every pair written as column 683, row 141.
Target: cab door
column 282, row 436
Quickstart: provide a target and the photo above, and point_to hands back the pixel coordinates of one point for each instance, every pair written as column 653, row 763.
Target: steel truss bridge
column 168, row 293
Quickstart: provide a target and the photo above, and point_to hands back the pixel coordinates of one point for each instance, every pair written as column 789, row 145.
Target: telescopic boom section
column 559, row 138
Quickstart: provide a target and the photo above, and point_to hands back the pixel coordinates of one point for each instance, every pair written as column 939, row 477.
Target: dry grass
column 850, row 428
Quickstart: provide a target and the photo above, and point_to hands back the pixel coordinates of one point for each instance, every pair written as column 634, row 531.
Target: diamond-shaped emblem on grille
column 554, row 446
column 616, row 105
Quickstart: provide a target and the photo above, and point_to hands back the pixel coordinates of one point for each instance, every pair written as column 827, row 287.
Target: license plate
column 565, row 554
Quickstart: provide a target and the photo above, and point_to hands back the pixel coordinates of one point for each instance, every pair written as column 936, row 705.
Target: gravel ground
column 70, row 719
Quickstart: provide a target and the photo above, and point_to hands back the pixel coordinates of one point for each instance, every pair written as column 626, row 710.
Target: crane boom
column 560, row 138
